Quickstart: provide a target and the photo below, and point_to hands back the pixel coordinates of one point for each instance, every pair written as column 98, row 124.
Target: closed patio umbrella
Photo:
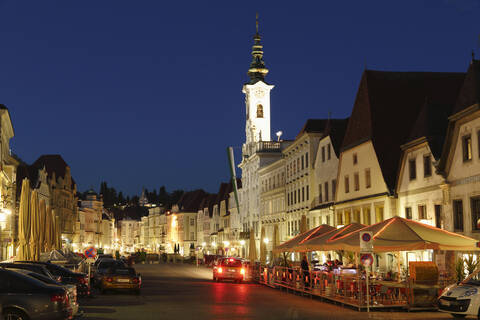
column 263, row 249
column 24, row 222
column 49, row 229
column 252, row 250
column 276, row 240
column 42, row 214
column 58, row 231
column 35, row 226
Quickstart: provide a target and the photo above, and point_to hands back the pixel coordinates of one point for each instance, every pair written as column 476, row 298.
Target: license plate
column 444, row 302
column 232, row 270
column 123, row 280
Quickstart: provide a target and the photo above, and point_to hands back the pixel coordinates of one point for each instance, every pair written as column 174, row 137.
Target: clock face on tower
column 259, row 93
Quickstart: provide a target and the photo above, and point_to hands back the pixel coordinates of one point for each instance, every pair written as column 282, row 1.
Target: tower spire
column 257, row 70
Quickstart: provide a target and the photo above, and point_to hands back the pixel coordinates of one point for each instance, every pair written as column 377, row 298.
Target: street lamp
column 265, row 240
column 242, row 242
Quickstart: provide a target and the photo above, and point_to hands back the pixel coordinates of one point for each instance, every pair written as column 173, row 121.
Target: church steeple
column 257, row 71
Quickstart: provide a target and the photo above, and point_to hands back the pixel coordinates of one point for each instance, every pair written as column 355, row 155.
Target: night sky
column 148, row 93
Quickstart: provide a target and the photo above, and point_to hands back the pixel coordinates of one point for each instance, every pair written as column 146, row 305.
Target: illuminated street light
column 242, row 242
column 226, row 243
column 203, row 244
column 265, row 240
column 214, row 244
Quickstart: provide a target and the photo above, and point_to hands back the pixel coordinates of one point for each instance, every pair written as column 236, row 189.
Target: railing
column 262, row 146
column 350, row 289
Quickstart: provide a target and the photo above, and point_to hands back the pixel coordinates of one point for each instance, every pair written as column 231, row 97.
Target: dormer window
column 259, row 111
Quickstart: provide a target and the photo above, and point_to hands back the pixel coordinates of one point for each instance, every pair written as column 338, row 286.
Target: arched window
column 259, row 111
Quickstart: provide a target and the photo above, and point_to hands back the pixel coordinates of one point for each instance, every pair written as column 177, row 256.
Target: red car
column 229, row 269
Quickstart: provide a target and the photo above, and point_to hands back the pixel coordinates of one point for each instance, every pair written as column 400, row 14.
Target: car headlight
column 469, row 292
column 448, row 288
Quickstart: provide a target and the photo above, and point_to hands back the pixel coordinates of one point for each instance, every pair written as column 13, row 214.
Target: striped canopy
column 319, row 242
column 292, row 244
column 400, row 234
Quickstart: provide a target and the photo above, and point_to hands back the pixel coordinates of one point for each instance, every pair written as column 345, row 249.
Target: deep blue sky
column 148, row 93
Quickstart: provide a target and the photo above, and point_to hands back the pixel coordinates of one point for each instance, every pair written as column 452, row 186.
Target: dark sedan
column 23, row 297
column 31, row 267
column 67, row 276
column 102, row 268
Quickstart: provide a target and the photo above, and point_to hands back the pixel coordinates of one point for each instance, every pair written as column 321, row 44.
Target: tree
column 163, row 196
column 121, row 199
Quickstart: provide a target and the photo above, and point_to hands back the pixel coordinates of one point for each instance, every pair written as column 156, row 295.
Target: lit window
column 467, row 148
column 368, row 181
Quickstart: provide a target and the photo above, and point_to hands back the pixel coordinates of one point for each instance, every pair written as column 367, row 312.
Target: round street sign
column 366, row 237
column 366, row 259
column 90, row 252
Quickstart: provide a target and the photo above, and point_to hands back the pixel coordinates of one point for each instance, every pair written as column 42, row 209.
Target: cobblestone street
column 176, row 291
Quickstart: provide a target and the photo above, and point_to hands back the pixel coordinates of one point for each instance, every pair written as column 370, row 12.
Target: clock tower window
column 259, row 111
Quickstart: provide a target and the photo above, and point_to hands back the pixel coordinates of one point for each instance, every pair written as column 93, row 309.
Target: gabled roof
column 387, row 106
column 53, row 163
column 190, row 201
column 222, row 193
column 470, row 92
column 313, row 126
column 431, row 124
column 469, row 96
column 336, row 128
column 211, row 202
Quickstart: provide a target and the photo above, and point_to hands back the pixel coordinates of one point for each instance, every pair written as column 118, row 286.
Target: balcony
column 261, row 146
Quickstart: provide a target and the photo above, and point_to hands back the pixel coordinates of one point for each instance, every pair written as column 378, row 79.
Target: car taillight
column 57, row 297
column 136, row 280
column 220, row 270
column 242, row 271
column 82, row 280
column 108, row 279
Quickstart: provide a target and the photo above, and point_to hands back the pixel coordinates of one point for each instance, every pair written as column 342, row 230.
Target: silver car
column 23, row 297
column 71, row 289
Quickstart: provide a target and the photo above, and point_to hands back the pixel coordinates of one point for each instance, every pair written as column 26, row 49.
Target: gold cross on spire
column 256, row 21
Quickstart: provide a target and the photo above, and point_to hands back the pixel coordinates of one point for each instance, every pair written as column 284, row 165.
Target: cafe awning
column 291, row 245
column 400, row 234
column 318, row 242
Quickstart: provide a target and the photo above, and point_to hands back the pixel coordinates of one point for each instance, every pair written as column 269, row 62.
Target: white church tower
column 257, row 96
column 258, row 150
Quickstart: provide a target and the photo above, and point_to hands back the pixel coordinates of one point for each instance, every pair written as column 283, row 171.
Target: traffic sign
column 366, row 259
column 90, row 252
column 366, row 241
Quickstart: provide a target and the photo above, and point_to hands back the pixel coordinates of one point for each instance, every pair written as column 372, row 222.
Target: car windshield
column 122, row 271
column 473, row 278
column 110, row 264
column 231, row 263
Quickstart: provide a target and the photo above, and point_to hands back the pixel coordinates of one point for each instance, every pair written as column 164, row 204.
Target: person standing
column 305, row 270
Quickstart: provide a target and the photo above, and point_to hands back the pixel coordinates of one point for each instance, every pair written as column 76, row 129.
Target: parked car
column 462, row 299
column 67, row 276
column 38, row 268
column 229, row 268
column 23, row 297
column 71, row 289
column 102, row 268
column 122, row 278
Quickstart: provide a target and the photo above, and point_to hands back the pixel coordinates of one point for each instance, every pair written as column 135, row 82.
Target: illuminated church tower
column 257, row 96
